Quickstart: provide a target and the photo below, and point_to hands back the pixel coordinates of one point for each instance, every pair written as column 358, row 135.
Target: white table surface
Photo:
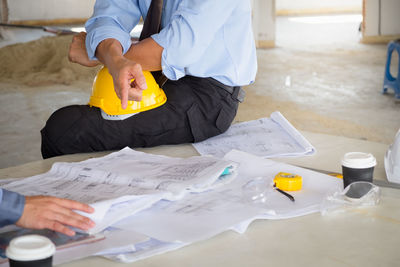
column 358, row 237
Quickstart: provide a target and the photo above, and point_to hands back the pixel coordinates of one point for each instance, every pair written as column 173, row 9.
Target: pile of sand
column 42, row 62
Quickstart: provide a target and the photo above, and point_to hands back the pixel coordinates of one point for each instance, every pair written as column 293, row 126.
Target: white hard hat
column 392, row 160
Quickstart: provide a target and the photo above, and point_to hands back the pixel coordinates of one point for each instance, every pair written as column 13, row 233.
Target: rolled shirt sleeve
column 111, row 19
column 207, row 38
column 11, row 207
column 191, row 30
column 202, row 38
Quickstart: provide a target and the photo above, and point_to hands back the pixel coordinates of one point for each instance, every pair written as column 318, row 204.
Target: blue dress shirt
column 202, row 38
column 11, row 207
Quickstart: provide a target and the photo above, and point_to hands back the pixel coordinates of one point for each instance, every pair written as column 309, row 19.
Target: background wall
column 290, row 7
column 46, row 10
column 381, row 17
column 264, row 22
column 381, row 20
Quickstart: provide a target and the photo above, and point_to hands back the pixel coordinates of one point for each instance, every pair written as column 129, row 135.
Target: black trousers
column 196, row 109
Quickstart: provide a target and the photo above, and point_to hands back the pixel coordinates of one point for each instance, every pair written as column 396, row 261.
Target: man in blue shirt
column 205, row 48
column 39, row 212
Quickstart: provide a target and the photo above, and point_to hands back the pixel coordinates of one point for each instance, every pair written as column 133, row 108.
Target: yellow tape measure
column 288, row 181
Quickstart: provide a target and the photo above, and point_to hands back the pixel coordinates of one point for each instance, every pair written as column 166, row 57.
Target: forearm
column 147, row 53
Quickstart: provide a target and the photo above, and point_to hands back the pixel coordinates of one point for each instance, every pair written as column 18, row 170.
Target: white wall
column 390, row 18
column 381, row 17
column 318, row 5
column 264, row 22
column 371, row 18
column 20, row 10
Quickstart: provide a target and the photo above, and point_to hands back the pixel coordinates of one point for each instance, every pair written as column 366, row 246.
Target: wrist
column 109, row 52
column 113, row 62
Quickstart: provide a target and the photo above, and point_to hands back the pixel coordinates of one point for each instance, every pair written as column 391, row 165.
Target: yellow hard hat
column 104, row 97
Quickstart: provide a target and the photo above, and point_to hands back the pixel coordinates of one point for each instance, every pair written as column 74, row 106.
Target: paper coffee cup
column 30, row 250
column 357, row 166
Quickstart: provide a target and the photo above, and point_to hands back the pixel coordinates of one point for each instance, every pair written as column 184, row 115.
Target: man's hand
column 77, row 51
column 123, row 71
column 55, row 214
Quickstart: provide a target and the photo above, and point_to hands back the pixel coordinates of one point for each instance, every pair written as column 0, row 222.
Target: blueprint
column 266, row 137
column 125, row 182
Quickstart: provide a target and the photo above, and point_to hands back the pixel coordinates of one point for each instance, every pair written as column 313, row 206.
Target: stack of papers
column 125, row 182
column 174, row 224
column 266, row 137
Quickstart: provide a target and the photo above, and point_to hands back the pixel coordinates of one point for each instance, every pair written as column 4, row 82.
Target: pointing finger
column 124, row 93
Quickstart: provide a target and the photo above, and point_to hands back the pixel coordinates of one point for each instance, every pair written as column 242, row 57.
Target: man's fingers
column 135, row 72
column 62, row 211
column 58, row 227
column 72, row 204
column 129, row 81
column 124, row 93
column 135, row 94
column 74, row 220
column 69, row 216
column 131, row 90
column 140, row 81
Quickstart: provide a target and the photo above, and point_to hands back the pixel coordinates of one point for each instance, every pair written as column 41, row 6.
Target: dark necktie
column 152, row 25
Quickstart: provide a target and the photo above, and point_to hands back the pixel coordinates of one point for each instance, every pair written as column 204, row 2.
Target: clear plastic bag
column 257, row 191
column 357, row 194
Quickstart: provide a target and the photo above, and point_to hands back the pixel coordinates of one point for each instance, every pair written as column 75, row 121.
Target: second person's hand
column 54, row 213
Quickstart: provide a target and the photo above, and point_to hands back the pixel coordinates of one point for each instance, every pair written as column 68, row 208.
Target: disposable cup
column 357, row 166
column 30, row 250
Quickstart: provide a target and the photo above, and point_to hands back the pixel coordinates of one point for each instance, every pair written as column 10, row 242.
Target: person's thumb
column 140, row 80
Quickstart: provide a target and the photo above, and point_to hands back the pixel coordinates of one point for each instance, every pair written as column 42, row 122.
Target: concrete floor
column 318, row 76
column 322, row 79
